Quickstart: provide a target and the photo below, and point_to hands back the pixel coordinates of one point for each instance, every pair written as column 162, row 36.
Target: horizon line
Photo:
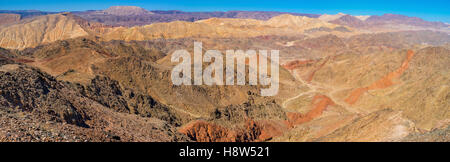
column 287, row 12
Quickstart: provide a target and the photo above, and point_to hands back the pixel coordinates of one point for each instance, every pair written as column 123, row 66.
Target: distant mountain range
column 34, row 31
column 22, row 29
column 132, row 16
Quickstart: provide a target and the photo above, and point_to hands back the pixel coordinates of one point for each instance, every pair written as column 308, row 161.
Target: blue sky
column 434, row 10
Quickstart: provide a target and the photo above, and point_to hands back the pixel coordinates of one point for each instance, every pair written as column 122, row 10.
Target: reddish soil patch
column 295, row 64
column 355, row 94
column 320, row 102
column 382, row 83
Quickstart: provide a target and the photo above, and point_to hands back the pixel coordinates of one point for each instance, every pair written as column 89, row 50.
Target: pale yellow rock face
column 40, row 30
column 298, row 22
column 220, row 27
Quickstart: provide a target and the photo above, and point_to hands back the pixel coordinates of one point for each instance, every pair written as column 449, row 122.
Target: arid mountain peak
column 349, row 20
column 39, row 30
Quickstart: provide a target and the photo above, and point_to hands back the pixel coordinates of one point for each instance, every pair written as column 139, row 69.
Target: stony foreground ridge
column 36, row 107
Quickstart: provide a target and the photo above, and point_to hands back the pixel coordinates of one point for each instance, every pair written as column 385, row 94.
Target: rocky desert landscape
column 105, row 75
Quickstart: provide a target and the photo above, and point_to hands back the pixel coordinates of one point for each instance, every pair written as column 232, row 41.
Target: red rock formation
column 202, row 131
column 253, row 131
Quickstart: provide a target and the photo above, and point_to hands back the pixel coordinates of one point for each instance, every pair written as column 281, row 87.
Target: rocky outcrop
column 51, row 110
column 110, row 94
column 37, row 91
